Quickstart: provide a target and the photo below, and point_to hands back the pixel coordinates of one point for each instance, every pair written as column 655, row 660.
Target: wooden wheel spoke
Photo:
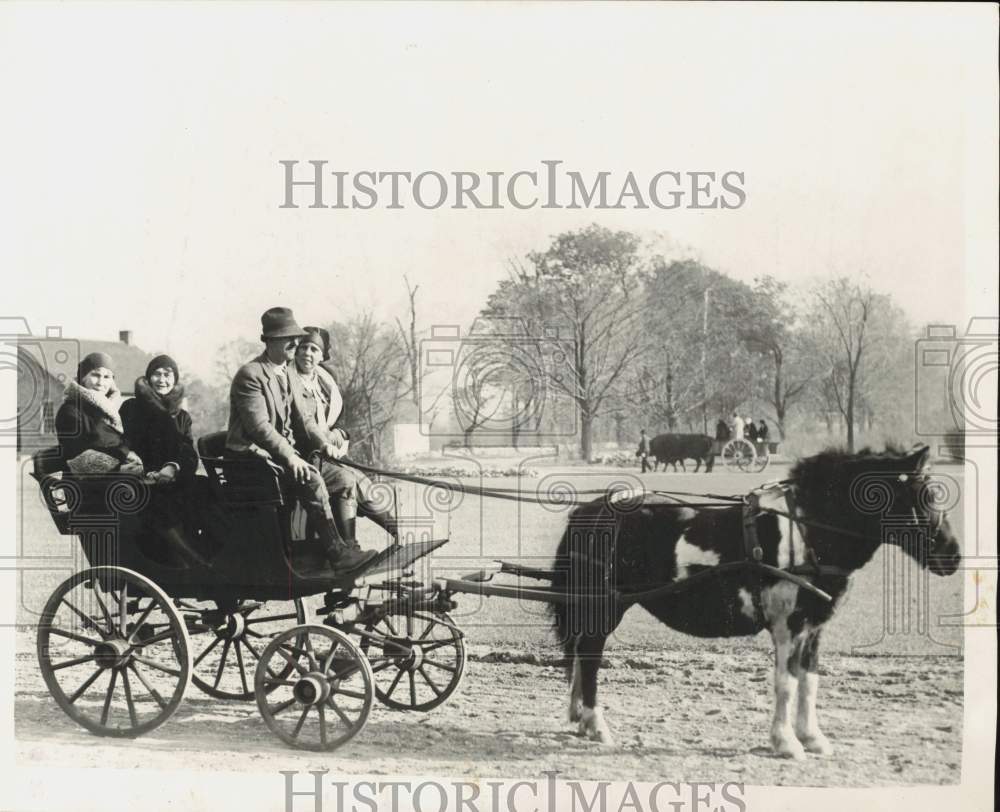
column 437, row 644
column 436, row 664
column 90, row 641
column 413, row 688
column 128, row 700
column 104, row 609
column 274, row 710
column 310, row 653
column 88, row 621
column 152, row 691
column 243, row 671
column 222, row 663
column 141, row 619
column 302, row 721
column 75, row 661
column 156, row 638
column 328, row 660
column 437, row 691
column 351, row 694
column 107, row 697
column 392, row 629
column 87, row 683
column 293, row 663
column 202, row 656
column 123, row 610
column 150, row 664
column 395, row 682
column 336, row 709
column 322, row 724
column 276, row 681
column 386, row 662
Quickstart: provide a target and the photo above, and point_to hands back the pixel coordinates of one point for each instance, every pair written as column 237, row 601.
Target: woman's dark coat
column 160, row 432
column 80, row 426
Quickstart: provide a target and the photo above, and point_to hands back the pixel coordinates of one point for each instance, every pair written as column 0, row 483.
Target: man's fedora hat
column 278, row 322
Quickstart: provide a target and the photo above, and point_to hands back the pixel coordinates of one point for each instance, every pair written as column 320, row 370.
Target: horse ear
column 920, row 457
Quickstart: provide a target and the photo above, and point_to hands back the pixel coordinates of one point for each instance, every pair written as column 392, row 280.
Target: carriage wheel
column 738, row 455
column 760, row 461
column 114, row 652
column 418, row 659
column 327, row 696
column 228, row 641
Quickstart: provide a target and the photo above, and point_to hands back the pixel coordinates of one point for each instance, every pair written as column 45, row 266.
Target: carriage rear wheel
column 739, row 455
column 418, row 659
column 761, row 459
column 114, row 652
column 228, row 641
column 325, row 699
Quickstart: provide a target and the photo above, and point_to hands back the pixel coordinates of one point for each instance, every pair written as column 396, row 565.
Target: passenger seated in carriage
column 88, row 423
column 160, row 431
column 268, row 418
column 349, row 489
column 156, row 426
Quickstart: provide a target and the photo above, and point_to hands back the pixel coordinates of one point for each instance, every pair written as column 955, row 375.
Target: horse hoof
column 818, row 744
column 787, row 746
column 592, row 726
column 575, row 712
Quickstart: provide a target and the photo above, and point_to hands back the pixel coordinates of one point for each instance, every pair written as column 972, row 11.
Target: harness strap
column 753, row 552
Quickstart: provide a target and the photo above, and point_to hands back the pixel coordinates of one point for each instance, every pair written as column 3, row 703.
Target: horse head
column 877, row 498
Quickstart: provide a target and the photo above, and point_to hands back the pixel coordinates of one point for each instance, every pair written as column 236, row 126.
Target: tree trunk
column 586, row 438
column 850, row 413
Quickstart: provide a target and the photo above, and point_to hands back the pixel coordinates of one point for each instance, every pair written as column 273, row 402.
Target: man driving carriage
column 268, row 418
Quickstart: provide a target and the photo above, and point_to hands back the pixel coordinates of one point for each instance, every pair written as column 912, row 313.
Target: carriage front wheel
column 325, row 699
column 418, row 659
column 114, row 652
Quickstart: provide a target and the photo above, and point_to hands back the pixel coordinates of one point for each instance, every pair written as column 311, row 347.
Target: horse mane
column 823, row 480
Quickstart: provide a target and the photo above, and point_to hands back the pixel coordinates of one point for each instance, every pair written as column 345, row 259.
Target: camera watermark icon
column 956, row 378
column 499, row 379
column 40, row 367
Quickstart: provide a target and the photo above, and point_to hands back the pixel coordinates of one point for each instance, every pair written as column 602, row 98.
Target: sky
column 142, row 185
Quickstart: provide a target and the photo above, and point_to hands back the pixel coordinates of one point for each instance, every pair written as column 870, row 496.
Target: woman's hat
column 278, row 322
column 320, row 337
column 95, row 360
column 163, row 362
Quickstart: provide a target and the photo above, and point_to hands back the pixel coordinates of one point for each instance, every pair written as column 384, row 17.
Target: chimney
column 125, row 336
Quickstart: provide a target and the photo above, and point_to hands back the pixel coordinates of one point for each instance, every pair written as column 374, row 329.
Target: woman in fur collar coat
column 88, row 425
column 157, row 427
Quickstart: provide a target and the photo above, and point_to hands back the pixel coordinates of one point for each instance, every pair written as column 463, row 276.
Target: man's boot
column 342, row 558
column 344, row 516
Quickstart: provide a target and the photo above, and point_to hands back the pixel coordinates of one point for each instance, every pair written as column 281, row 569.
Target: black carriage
column 119, row 641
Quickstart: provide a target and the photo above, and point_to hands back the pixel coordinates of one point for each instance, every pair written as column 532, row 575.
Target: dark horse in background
column 840, row 501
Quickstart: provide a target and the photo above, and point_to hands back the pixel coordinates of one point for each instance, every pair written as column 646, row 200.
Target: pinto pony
column 615, row 554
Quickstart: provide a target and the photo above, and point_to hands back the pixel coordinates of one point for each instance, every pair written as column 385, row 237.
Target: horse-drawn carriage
column 119, row 641
column 750, row 457
column 777, row 558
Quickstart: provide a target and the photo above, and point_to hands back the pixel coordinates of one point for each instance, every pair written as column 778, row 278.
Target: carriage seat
column 47, row 468
column 239, row 480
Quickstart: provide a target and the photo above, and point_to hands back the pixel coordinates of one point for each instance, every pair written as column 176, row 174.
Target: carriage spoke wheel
column 418, row 660
column 228, row 642
column 760, row 461
column 738, row 455
column 114, row 652
column 326, row 698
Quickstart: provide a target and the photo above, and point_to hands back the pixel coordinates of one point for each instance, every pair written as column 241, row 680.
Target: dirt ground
column 675, row 715
column 680, row 708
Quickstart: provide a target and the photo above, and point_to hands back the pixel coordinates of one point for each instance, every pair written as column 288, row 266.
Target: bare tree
column 408, row 342
column 842, row 318
column 586, row 286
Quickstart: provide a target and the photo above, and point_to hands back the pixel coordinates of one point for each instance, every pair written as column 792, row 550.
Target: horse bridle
column 919, row 478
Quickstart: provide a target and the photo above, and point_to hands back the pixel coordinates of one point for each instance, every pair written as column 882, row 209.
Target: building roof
column 59, row 358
